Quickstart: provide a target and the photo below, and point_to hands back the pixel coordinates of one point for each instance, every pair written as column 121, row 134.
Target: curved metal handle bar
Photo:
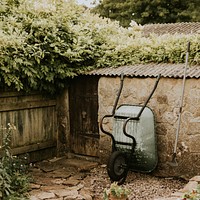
column 128, row 135
column 113, row 111
column 147, row 101
column 103, row 130
column 139, row 114
column 118, row 94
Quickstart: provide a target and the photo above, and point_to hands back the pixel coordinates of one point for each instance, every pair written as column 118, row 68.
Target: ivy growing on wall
column 43, row 44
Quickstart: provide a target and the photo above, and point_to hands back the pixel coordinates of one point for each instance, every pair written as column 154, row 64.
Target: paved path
column 60, row 179
column 75, row 179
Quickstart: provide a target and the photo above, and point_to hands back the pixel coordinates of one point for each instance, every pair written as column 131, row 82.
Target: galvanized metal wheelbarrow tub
column 134, row 145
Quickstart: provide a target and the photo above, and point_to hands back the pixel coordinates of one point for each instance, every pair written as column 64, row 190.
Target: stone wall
column 165, row 105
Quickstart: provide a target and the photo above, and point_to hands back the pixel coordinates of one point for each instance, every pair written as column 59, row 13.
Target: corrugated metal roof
column 149, row 70
column 171, row 28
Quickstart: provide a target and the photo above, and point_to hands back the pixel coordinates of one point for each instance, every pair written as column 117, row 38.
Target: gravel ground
column 94, row 180
column 142, row 186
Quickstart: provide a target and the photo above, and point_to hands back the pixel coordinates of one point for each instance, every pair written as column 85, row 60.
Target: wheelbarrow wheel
column 117, row 166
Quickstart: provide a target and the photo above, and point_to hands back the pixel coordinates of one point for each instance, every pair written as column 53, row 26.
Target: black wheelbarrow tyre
column 115, row 171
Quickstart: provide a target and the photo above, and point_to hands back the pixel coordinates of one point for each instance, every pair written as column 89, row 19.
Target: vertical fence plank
column 34, row 117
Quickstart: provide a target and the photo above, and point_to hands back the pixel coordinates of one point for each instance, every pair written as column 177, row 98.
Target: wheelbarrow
column 133, row 138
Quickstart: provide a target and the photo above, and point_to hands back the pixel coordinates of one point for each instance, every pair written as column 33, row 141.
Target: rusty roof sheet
column 172, row 28
column 149, row 70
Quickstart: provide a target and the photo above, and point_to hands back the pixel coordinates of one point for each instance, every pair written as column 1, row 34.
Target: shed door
column 83, row 95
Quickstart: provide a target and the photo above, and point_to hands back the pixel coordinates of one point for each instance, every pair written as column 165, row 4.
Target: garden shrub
column 14, row 178
column 44, row 44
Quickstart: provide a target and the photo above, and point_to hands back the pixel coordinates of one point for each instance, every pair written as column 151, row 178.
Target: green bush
column 43, row 45
column 14, row 180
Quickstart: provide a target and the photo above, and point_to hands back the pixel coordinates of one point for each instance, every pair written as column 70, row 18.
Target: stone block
column 71, row 182
column 167, row 198
column 66, row 193
column 195, row 178
column 194, row 143
column 46, row 195
column 191, row 185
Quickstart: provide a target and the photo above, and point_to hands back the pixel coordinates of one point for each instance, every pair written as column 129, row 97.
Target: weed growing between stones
column 14, row 179
column 116, row 192
column 193, row 195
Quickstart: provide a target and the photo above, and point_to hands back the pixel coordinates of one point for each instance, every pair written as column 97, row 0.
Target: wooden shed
column 165, row 104
column 97, row 92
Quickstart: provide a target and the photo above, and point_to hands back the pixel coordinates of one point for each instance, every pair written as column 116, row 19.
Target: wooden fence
column 34, row 119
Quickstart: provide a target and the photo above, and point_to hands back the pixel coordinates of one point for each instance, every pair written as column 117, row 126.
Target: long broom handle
column 182, row 96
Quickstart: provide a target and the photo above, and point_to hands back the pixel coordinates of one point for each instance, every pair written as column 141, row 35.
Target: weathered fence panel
column 35, row 118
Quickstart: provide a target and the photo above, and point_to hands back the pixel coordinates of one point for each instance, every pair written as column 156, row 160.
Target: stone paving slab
column 58, row 179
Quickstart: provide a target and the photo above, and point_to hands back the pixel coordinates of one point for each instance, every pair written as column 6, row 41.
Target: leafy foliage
column 42, row 46
column 14, row 182
column 144, row 12
column 116, row 192
column 116, row 10
column 193, row 195
column 35, row 44
column 166, row 48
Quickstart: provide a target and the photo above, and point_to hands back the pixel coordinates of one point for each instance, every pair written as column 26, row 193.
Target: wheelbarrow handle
column 119, row 93
column 128, row 135
column 139, row 114
column 152, row 92
column 113, row 111
column 104, row 131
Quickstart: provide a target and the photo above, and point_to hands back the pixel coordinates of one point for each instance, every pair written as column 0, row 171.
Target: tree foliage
column 119, row 10
column 144, row 12
column 42, row 46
